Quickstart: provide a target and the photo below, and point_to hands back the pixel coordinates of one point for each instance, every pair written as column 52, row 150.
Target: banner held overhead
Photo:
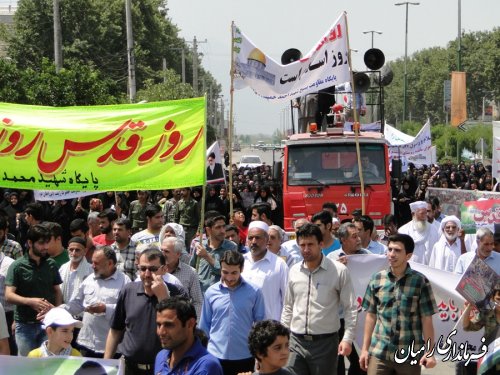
column 103, row 148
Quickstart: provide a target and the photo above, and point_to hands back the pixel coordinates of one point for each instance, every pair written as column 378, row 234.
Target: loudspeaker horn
column 290, row 55
column 374, row 59
column 361, row 82
column 385, row 78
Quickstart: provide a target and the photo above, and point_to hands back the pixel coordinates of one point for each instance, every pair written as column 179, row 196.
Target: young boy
column 59, row 325
column 268, row 343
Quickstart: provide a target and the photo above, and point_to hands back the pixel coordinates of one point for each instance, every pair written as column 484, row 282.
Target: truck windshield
column 335, row 164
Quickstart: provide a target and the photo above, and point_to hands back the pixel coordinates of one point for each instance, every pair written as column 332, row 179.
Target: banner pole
column 230, row 127
column 356, row 125
column 201, row 224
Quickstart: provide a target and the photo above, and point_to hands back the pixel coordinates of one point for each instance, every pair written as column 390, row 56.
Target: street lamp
column 372, row 32
column 405, row 82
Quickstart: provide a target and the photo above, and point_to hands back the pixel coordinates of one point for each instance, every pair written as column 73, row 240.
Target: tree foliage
column 77, row 84
column 94, row 35
column 429, row 68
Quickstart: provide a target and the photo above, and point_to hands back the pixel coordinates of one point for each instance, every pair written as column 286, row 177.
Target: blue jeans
column 29, row 336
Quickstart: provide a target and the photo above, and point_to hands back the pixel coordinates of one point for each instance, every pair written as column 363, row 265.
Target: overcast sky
column 276, row 25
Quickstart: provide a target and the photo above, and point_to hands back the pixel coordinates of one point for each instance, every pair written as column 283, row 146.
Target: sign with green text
column 149, row 146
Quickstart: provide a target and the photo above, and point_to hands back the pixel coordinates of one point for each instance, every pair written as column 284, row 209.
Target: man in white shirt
column 265, row 269
column 97, row 297
column 74, row 272
column 424, row 235
column 276, row 235
column 447, row 250
column 485, row 252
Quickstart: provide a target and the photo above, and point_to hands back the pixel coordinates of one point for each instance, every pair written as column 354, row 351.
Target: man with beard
column 265, row 269
column 182, row 351
column 124, row 247
column 485, row 245
column 32, row 284
column 97, row 297
column 150, row 235
column 207, row 257
column 424, row 234
column 447, row 250
column 76, row 270
column 106, row 220
column 80, row 228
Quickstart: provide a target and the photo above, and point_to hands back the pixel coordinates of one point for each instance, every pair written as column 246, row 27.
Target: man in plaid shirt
column 399, row 305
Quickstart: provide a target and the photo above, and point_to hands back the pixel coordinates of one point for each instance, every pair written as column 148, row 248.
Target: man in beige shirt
column 317, row 287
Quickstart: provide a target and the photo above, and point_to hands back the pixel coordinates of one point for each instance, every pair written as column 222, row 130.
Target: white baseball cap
column 59, row 316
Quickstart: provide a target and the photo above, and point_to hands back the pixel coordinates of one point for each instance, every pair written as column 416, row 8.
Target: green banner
column 149, row 146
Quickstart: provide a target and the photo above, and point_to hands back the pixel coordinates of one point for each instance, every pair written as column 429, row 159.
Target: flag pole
column 356, row 126
column 201, row 224
column 231, row 124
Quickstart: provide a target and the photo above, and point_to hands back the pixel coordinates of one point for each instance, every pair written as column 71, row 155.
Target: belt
column 139, row 366
column 314, row 337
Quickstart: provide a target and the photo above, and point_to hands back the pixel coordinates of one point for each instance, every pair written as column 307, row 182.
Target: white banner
column 495, row 159
column 324, row 66
column 417, row 151
column 215, row 170
column 396, row 137
column 57, row 195
column 56, row 365
column 450, row 303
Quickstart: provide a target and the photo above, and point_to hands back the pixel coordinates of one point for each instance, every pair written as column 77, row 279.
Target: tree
column 93, row 33
column 76, row 84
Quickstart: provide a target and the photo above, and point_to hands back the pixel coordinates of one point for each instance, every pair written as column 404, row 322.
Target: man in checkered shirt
column 399, row 305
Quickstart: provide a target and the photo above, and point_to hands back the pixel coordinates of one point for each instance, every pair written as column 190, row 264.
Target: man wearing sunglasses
column 133, row 325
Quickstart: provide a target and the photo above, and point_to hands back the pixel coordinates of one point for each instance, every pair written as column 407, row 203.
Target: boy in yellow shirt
column 59, row 325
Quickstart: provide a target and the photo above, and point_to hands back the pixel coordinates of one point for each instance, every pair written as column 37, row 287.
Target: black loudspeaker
column 396, row 169
column 290, row 55
column 386, row 76
column 361, row 82
column 374, row 59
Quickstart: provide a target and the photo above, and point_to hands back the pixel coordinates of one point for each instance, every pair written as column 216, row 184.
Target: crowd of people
column 132, row 275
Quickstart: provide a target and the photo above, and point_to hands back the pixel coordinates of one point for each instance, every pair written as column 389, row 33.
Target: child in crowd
column 59, row 325
column 268, row 343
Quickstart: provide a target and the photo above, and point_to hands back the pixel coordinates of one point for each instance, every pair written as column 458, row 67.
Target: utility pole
column 372, row 32
column 459, row 41
column 130, row 51
column 164, row 67
column 58, row 59
column 195, row 64
column 405, row 82
column 183, row 62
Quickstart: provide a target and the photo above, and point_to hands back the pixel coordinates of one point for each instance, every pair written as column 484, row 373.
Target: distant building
column 7, row 19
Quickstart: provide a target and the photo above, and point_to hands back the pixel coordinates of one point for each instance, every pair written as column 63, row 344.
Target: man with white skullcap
column 448, row 249
column 424, row 235
column 265, row 269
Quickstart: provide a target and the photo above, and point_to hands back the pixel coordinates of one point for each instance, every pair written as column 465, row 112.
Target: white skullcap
column 447, row 219
column 259, row 224
column 417, row 205
column 335, row 220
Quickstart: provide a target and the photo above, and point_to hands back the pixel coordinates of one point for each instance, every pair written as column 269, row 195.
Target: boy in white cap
column 59, row 325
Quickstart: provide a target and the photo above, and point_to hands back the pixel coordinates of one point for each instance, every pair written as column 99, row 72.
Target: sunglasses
column 149, row 268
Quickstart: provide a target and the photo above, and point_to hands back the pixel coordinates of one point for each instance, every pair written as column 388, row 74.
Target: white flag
column 324, row 66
